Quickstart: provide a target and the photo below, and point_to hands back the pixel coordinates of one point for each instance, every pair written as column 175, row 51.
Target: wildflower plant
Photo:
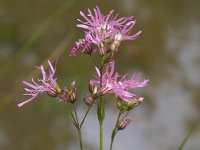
column 103, row 36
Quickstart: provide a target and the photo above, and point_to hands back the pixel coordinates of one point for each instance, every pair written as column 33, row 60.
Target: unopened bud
column 92, row 88
column 73, row 86
column 64, row 95
column 113, row 47
column 102, row 49
column 127, row 106
column 117, row 40
column 123, row 123
column 135, row 102
column 72, row 92
column 88, row 100
column 72, row 97
column 119, row 104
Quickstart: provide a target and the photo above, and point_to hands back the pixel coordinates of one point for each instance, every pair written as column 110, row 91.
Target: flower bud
column 127, row 106
column 92, row 88
column 102, row 49
column 88, row 100
column 123, row 123
column 119, row 104
column 72, row 97
column 134, row 103
column 113, row 47
column 72, row 92
column 73, row 86
column 64, row 95
column 117, row 40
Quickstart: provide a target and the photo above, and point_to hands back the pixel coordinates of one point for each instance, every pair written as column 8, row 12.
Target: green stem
column 101, row 113
column 114, row 132
column 101, row 136
column 77, row 125
column 75, row 113
column 101, row 105
column 85, row 116
column 80, row 138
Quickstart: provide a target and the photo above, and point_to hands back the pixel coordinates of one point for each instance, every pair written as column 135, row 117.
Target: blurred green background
column 167, row 53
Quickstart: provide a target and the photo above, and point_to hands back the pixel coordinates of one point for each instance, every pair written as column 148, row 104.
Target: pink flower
column 120, row 86
column 101, row 29
column 47, row 85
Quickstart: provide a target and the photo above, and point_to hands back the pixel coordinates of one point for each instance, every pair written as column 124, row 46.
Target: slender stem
column 85, row 116
column 100, row 109
column 114, row 132
column 101, row 136
column 77, row 125
column 101, row 112
column 80, row 138
column 75, row 113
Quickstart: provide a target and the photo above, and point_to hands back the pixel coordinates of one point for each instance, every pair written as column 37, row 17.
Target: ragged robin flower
column 104, row 32
column 117, row 85
column 47, row 84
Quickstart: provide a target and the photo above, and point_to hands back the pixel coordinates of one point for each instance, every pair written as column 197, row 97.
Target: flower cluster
column 103, row 33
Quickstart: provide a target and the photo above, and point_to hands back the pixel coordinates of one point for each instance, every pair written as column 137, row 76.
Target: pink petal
column 27, row 101
column 29, row 84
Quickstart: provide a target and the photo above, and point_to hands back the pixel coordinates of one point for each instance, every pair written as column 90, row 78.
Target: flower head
column 120, row 86
column 47, row 85
column 105, row 31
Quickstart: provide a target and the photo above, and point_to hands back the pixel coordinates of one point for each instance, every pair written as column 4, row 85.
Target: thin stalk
column 77, row 125
column 85, row 116
column 75, row 113
column 114, row 132
column 80, row 138
column 100, row 109
column 101, row 112
column 101, row 136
